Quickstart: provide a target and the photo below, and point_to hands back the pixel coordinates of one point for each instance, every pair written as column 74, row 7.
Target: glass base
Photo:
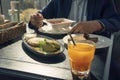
column 80, row 75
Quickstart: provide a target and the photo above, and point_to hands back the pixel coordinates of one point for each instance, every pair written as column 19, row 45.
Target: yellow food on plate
column 80, row 37
column 34, row 42
column 43, row 44
column 84, row 37
column 51, row 46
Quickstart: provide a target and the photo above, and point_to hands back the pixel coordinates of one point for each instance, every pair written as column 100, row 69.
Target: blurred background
column 21, row 9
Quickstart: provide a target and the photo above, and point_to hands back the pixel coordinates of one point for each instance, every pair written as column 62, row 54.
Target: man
column 101, row 15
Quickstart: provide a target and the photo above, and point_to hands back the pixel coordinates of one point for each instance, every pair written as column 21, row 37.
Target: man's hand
column 86, row 27
column 36, row 20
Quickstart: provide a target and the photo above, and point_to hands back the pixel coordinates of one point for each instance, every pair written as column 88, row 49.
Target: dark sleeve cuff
column 31, row 26
column 104, row 31
column 102, row 25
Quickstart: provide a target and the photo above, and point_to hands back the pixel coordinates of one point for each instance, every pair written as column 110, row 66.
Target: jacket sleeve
column 111, row 19
column 110, row 25
column 49, row 11
column 31, row 26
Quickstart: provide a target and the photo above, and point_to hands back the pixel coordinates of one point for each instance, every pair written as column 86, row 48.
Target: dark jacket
column 102, row 10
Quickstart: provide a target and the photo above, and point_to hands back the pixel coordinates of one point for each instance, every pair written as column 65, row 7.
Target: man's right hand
column 37, row 20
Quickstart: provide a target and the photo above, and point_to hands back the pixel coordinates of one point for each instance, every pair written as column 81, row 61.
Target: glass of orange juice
column 81, row 55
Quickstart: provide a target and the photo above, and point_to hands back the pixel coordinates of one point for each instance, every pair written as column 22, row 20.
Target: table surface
column 16, row 59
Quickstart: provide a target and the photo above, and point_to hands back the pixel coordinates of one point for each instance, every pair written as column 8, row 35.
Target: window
column 0, row 7
column 25, row 7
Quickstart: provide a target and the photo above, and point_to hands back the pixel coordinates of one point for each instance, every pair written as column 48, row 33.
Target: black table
column 17, row 60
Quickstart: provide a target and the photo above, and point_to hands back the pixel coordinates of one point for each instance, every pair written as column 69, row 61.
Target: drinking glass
column 81, row 55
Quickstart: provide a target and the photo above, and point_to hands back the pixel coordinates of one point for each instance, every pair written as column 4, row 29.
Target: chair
column 115, row 59
column 108, row 60
column 112, row 66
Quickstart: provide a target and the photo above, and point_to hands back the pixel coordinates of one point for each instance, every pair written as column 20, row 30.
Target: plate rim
column 55, row 33
column 92, row 35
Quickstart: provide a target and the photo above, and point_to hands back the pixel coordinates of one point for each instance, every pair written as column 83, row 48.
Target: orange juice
column 81, row 56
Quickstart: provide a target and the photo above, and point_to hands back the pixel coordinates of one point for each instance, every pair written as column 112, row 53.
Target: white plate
column 49, row 30
column 40, row 52
column 102, row 41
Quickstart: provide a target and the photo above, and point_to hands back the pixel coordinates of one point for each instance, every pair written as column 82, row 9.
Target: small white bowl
column 60, row 23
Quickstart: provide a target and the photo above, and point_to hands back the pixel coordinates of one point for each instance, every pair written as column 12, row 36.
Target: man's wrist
column 32, row 26
column 102, row 26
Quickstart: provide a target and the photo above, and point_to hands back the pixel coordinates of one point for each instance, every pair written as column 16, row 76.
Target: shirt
column 78, row 10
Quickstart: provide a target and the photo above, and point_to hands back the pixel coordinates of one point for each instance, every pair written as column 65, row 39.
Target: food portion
column 56, row 26
column 85, row 37
column 43, row 45
column 27, row 36
column 55, row 21
column 59, row 21
column 80, row 37
column 51, row 46
column 35, row 41
column 94, row 39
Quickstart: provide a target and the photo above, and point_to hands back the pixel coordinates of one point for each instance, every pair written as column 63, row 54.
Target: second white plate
column 102, row 41
column 49, row 30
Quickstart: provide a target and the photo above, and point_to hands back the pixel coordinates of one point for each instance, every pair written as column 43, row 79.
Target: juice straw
column 71, row 38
